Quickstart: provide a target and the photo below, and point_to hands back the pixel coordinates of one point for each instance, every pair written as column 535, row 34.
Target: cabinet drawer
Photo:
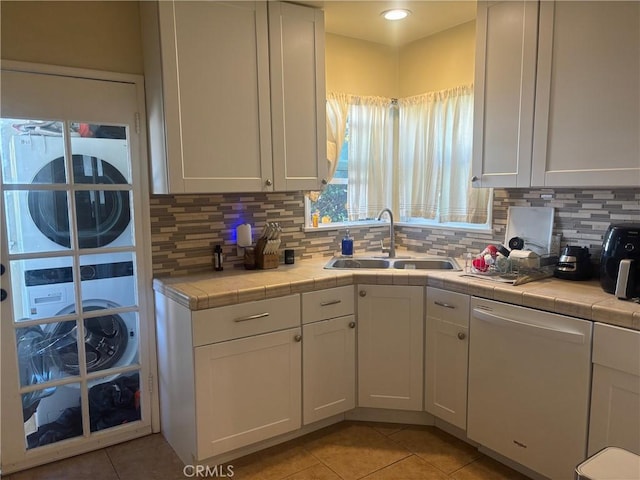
column 325, row 304
column 617, row 348
column 449, row 306
column 246, row 319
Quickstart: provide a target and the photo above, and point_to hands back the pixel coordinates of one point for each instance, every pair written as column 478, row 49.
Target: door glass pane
column 42, row 288
column 47, row 352
column 28, row 149
column 104, row 218
column 37, row 221
column 111, row 340
column 114, row 401
column 101, row 155
column 107, row 280
column 52, row 415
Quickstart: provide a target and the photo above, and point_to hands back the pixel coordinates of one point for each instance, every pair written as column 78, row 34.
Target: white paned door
column 75, row 353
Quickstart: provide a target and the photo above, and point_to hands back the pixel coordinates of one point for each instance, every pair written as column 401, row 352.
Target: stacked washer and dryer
column 38, row 221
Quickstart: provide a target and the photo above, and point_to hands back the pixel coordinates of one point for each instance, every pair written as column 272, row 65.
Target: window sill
column 327, row 227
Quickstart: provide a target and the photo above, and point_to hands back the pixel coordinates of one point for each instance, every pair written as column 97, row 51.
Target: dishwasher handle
column 548, row 332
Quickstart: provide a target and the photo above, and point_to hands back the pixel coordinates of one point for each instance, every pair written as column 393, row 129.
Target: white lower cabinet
column 328, row 353
column 446, row 355
column 390, row 347
column 615, row 392
column 230, row 376
column 328, row 368
column 247, row 390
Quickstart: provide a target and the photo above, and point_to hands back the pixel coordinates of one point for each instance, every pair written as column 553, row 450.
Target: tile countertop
column 584, row 299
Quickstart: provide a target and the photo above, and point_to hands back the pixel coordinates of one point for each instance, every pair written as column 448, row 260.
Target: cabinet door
column 390, row 347
column 446, row 355
column 215, row 67
column 506, row 42
column 587, row 123
column 615, row 410
column 329, row 368
column 247, row 390
column 615, row 392
column 298, row 111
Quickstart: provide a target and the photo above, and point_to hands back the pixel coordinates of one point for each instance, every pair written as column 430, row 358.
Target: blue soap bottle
column 347, row 245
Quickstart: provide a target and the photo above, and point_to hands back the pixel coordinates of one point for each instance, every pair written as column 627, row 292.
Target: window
column 413, row 155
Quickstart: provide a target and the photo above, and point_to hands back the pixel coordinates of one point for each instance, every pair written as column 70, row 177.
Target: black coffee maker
column 574, row 264
column 620, row 260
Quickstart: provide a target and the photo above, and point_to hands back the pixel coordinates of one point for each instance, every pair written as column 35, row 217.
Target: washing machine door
column 106, row 339
column 102, row 215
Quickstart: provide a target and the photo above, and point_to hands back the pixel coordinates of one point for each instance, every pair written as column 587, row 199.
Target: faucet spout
column 392, row 244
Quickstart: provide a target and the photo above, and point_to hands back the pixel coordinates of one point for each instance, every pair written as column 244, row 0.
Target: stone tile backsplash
column 185, row 228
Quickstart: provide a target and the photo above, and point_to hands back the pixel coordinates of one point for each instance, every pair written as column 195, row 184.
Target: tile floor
column 347, row 451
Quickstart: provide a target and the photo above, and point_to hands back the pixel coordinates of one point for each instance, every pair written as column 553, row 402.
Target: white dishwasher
column 529, row 383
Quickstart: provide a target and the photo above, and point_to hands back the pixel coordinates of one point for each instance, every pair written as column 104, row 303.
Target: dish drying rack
column 516, row 272
column 268, row 247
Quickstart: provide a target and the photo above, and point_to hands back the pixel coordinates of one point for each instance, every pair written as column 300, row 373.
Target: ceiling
column 362, row 19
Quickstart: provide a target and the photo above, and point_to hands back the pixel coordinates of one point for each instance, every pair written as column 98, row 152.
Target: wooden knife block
column 265, row 261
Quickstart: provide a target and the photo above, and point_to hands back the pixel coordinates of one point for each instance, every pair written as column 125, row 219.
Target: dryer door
column 101, row 216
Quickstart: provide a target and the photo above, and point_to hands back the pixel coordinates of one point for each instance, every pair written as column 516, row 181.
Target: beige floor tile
column 410, row 468
column 385, row 428
column 274, row 463
column 354, row 451
column 94, row 465
column 486, row 468
column 149, row 457
column 436, row 447
column 316, row 472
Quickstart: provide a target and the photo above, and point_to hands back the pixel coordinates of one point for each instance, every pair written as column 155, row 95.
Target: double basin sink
column 399, row 263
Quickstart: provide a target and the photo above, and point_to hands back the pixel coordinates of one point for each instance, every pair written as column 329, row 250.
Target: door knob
column 324, row 181
column 462, row 335
column 352, row 324
column 3, row 295
column 474, row 179
column 268, row 182
column 363, row 293
column 1, row 269
column 298, row 338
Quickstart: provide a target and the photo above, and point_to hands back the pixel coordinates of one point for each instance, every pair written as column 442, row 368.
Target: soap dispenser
column 347, row 245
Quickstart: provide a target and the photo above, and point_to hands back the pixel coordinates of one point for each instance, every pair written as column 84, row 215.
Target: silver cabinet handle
column 330, row 302
column 268, row 182
column 251, row 317
column 445, row 305
column 462, row 335
column 298, row 338
column 352, row 324
column 363, row 293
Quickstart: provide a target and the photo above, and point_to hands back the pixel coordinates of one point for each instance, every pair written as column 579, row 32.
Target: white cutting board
column 533, row 224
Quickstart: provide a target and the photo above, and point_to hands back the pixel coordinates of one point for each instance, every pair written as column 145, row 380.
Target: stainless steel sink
column 427, row 264
column 338, row 262
column 422, row 263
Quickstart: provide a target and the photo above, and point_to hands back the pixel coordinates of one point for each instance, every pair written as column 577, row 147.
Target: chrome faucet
column 392, row 245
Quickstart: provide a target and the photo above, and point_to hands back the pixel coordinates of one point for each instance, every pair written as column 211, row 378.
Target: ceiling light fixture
column 396, row 14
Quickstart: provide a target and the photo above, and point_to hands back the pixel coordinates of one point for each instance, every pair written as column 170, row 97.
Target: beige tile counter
column 579, row 299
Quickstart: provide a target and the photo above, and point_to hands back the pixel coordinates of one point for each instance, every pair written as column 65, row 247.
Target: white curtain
column 435, row 145
column 337, row 112
column 370, row 157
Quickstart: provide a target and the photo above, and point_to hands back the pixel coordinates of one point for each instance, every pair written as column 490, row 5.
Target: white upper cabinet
column 234, row 105
column 587, row 124
column 506, row 43
column 298, row 112
column 576, row 71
